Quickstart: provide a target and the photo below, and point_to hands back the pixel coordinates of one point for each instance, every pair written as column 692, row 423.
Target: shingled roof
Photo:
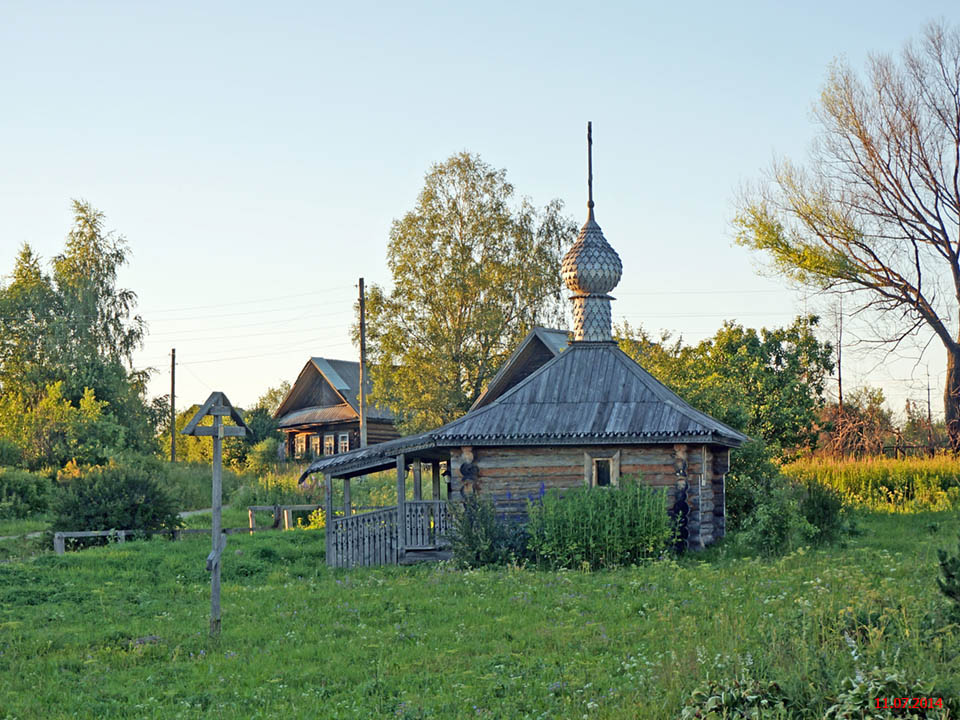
column 590, row 394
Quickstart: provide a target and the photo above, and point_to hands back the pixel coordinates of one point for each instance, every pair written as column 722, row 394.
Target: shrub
column 10, row 454
column 949, row 580
column 262, row 457
column 23, row 493
column 738, row 699
column 478, row 537
column 600, row 527
column 121, row 497
column 752, row 475
column 823, row 509
column 775, row 525
column 859, row 696
column 190, row 483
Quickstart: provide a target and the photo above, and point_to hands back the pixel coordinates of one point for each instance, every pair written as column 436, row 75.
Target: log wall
column 511, row 475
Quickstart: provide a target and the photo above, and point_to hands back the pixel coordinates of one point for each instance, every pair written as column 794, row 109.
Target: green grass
column 37, row 523
column 302, row 641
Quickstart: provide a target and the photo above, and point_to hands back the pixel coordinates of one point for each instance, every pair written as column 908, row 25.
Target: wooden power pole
column 173, row 405
column 363, row 368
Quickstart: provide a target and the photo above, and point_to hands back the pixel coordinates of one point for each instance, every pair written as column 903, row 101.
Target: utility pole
column 363, row 368
column 173, row 405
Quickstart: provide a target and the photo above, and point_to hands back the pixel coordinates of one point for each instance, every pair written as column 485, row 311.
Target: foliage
column 478, row 537
column 263, row 456
column 23, row 493
column 885, row 484
column 767, row 384
column 876, row 211
column 272, row 397
column 199, row 449
column 823, row 510
column 10, row 455
column 110, row 628
column 949, row 580
column 190, row 484
column 67, row 340
column 54, row 430
column 752, row 474
column 316, row 520
column 776, row 525
column 114, row 496
column 600, row 527
column 859, row 697
column 741, row 698
column 472, row 272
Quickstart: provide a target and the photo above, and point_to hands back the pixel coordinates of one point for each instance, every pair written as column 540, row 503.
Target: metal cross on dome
column 219, row 407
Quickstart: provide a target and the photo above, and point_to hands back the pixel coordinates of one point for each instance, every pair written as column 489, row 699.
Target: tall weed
column 600, row 527
column 885, row 484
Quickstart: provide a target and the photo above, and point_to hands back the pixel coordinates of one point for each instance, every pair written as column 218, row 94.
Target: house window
column 328, row 444
column 300, row 445
column 601, row 468
column 601, row 472
column 315, row 445
column 344, row 443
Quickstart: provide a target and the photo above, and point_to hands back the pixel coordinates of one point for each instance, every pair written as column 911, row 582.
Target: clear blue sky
column 254, row 154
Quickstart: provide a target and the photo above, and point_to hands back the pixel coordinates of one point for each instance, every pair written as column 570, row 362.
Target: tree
column 66, row 343
column 472, row 273
column 877, row 210
column 768, row 384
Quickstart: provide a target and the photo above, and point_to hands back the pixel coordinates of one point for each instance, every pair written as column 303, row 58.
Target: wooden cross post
column 219, row 407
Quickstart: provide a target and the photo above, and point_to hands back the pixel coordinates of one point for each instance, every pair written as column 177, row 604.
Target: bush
column 478, row 537
column 859, row 696
column 600, row 527
column 823, row 509
column 752, row 476
column 10, row 454
column 23, row 493
column 949, row 580
column 775, row 525
column 121, row 497
column 738, row 699
column 262, row 457
column 190, row 484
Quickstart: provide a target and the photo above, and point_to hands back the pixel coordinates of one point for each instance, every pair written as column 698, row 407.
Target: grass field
column 121, row 631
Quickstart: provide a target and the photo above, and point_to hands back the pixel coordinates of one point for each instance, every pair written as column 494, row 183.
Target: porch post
column 435, row 467
column 401, row 509
column 417, row 486
column 346, row 497
column 328, row 517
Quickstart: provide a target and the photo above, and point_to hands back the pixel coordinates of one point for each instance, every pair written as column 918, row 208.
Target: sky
column 254, row 155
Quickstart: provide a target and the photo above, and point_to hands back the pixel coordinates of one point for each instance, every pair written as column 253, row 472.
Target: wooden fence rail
column 60, row 538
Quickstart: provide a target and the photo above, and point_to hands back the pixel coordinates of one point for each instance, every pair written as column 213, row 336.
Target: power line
column 260, row 300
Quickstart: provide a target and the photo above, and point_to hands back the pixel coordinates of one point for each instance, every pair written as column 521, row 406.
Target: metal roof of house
column 590, row 394
column 343, row 378
column 318, row 414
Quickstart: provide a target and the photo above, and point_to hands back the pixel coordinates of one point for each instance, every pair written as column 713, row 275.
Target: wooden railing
column 427, row 523
column 364, row 540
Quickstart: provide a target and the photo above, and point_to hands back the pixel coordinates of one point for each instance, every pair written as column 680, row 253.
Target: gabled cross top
column 217, row 405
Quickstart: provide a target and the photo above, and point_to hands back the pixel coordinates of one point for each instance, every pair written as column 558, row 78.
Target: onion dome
column 591, row 269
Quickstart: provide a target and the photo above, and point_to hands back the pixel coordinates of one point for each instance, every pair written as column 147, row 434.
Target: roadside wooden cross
column 219, row 407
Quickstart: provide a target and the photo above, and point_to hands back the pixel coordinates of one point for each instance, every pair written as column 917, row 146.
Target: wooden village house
column 586, row 415
column 320, row 416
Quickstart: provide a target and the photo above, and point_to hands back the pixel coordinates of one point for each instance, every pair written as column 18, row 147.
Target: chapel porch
column 410, row 531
